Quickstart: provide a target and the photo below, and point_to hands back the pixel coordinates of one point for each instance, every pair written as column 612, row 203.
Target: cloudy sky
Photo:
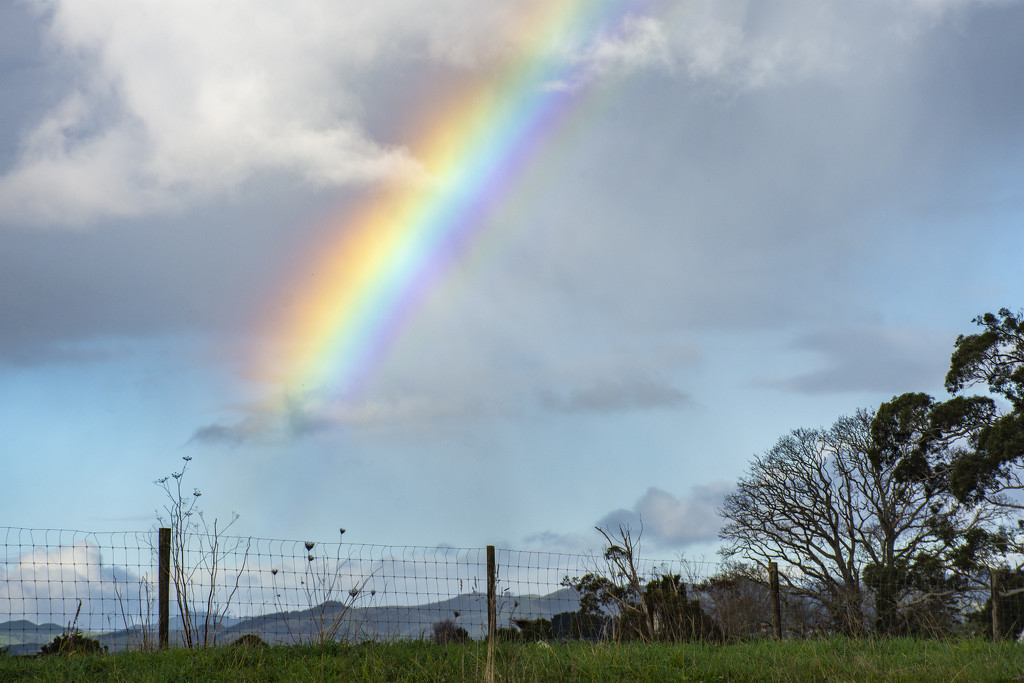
column 747, row 216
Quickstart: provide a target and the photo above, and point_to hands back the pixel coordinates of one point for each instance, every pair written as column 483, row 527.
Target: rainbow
column 389, row 251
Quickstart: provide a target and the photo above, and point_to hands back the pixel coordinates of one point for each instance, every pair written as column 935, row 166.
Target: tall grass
column 834, row 659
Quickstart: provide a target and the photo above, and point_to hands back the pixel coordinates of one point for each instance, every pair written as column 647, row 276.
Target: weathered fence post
column 994, row 600
column 773, row 582
column 492, row 612
column 164, row 585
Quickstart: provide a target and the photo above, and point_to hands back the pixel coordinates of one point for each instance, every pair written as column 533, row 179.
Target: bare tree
column 844, row 528
column 613, row 594
column 330, row 600
column 622, row 556
column 198, row 553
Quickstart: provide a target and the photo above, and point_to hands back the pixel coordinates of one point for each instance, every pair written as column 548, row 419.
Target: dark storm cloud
column 762, row 210
column 249, row 429
column 214, row 273
column 216, row 434
column 295, row 421
column 737, row 172
column 38, row 82
column 700, row 199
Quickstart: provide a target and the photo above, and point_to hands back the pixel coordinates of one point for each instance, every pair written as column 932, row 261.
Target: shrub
column 446, row 632
column 509, row 635
column 249, row 640
column 72, row 643
column 581, row 626
column 676, row 618
column 534, row 629
column 656, row 610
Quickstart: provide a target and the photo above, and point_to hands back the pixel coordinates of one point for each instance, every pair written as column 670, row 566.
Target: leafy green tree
column 676, row 618
column 637, row 608
column 991, row 468
column 1011, row 608
column 969, row 446
column 920, row 440
column 994, row 356
column 916, row 596
column 923, row 439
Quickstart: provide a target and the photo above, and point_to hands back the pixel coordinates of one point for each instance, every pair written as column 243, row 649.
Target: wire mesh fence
column 221, row 588
column 284, row 591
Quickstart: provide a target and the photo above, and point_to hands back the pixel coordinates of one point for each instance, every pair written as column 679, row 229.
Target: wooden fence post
column 773, row 582
column 994, row 601
column 164, row 585
column 492, row 612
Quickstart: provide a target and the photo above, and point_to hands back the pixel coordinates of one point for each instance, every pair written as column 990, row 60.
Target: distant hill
column 22, row 637
column 405, row 622
column 369, row 622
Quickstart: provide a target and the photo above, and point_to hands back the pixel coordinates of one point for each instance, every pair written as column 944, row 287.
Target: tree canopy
column 867, row 545
column 994, row 358
column 886, row 517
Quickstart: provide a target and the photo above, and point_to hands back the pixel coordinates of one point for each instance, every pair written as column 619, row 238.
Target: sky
column 627, row 246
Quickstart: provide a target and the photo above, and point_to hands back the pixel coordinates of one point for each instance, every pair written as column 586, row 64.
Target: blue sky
column 770, row 214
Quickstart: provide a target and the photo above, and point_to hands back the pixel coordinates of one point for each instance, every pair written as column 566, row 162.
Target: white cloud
column 759, row 43
column 183, row 101
column 45, row 585
column 673, row 522
column 638, row 43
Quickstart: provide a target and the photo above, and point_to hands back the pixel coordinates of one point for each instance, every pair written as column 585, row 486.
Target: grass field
column 812, row 660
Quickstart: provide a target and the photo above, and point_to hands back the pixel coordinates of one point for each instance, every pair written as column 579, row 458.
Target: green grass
column 811, row 660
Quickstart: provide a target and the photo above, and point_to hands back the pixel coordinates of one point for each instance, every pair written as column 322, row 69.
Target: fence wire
column 284, row 591
column 55, row 582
